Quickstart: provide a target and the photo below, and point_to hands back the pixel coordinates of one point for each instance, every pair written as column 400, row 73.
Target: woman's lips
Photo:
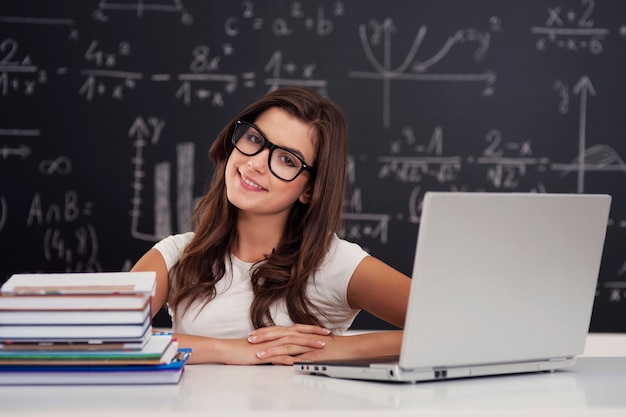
column 247, row 181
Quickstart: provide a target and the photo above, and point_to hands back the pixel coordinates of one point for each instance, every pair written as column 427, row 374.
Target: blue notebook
column 96, row 375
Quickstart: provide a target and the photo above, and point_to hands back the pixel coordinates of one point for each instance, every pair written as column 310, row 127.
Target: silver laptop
column 502, row 283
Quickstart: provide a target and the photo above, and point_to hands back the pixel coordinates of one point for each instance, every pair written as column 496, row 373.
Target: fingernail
column 321, row 343
column 252, row 339
column 260, row 354
column 327, row 331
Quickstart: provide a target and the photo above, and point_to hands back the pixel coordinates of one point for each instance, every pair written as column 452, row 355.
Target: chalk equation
column 18, row 73
column 70, row 240
column 571, row 29
column 320, row 21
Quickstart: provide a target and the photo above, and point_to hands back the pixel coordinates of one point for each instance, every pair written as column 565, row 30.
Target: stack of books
column 84, row 328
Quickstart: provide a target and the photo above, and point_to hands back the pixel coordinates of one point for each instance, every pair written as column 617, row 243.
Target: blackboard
column 107, row 110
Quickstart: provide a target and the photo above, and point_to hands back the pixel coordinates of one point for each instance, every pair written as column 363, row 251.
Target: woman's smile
column 249, row 183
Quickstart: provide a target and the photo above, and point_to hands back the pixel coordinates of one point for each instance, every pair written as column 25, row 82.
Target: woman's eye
column 255, row 139
column 288, row 160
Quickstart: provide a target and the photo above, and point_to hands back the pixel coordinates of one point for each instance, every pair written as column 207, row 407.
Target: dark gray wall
column 107, row 110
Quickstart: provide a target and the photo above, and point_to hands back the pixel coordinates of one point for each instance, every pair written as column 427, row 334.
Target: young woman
column 264, row 278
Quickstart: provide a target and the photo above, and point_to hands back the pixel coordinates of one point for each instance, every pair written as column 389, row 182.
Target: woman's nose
column 258, row 162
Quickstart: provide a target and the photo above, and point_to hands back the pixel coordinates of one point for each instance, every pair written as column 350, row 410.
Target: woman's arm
column 380, row 290
column 153, row 261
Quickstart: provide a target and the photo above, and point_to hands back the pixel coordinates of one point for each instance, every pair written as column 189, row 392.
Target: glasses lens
column 285, row 164
column 247, row 139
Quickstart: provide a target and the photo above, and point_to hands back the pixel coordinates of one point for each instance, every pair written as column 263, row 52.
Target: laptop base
column 381, row 371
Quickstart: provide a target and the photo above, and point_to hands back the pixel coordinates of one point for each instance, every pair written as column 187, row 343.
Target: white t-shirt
column 228, row 314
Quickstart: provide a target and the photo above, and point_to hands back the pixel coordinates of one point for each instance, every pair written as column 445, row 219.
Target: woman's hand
column 279, row 345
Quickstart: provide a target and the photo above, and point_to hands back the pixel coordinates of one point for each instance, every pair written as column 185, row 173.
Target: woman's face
column 251, row 186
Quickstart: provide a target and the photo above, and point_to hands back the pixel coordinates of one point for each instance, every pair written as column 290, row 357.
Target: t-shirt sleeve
column 172, row 247
column 337, row 270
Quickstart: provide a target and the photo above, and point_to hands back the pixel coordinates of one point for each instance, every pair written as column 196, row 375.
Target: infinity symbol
column 62, row 165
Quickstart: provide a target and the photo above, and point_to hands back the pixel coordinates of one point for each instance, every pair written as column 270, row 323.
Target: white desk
column 595, row 387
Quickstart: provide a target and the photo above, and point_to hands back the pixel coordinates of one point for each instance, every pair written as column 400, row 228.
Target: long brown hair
column 308, row 232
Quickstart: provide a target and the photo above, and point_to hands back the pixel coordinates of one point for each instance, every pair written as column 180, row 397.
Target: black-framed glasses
column 283, row 163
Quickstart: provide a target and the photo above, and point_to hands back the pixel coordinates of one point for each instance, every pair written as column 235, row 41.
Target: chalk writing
column 381, row 32
column 139, row 8
column 148, row 132
column 17, row 72
column 107, row 81
column 317, row 22
column 571, row 29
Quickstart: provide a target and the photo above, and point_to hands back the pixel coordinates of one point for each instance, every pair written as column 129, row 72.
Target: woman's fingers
column 289, row 345
column 279, row 344
column 277, row 332
column 290, row 349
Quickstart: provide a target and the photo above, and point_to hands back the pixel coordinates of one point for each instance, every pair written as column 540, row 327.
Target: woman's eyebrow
column 292, row 150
